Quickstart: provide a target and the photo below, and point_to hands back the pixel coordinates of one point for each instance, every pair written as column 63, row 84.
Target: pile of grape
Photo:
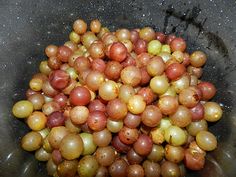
column 124, row 103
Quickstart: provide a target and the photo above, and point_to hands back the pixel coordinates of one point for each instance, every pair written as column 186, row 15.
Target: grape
column 113, row 70
column 102, row 138
column 178, row 44
column 140, row 46
column 175, row 70
column 125, row 92
column 134, row 36
column 59, row 79
column 151, row 116
column 56, row 135
column 143, row 146
column 159, row 84
column 94, row 80
column 118, row 52
column 116, row 109
column 71, row 146
column 175, row 136
column 147, row 33
column 197, row 112
column 97, row 120
column 63, row 53
column 143, row 59
column 51, row 167
column 42, row 155
column 56, row 156
column 155, row 66
column 88, row 166
column 168, row 105
column 133, row 157
column 208, row 90
column 170, row 169
column 22, row 109
column 136, row 104
column 206, row 140
column 79, row 114
column 105, row 155
column 194, row 160
column 114, row 126
column 119, row 146
column 174, row 153
column 131, row 75
column 151, row 169
column 189, row 97
column 147, row 94
column 67, row 168
column 123, row 34
column 96, row 50
column 182, row 117
column 135, row 171
column 198, row 59
column 108, row 90
column 128, row 135
column 160, row 37
column 182, row 83
column 80, row 96
column 194, row 127
column 102, row 172
column 212, row 111
column 31, row 141
column 89, row 145
column 157, row 153
column 118, row 168
column 132, row 120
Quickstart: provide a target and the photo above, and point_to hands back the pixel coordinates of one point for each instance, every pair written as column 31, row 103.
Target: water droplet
column 221, row 104
column 101, row 8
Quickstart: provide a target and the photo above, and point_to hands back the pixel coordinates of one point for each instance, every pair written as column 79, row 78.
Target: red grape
column 80, row 96
column 128, row 135
column 175, row 70
column 63, row 53
column 118, row 52
column 97, row 120
column 116, row 109
column 178, row 44
column 59, row 79
column 143, row 146
column 208, row 90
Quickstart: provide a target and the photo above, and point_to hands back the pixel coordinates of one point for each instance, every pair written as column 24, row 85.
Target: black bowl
column 27, row 27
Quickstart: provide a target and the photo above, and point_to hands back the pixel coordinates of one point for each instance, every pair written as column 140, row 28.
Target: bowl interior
column 28, row 27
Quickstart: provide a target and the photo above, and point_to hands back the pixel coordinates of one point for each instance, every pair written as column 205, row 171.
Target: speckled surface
column 26, row 27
